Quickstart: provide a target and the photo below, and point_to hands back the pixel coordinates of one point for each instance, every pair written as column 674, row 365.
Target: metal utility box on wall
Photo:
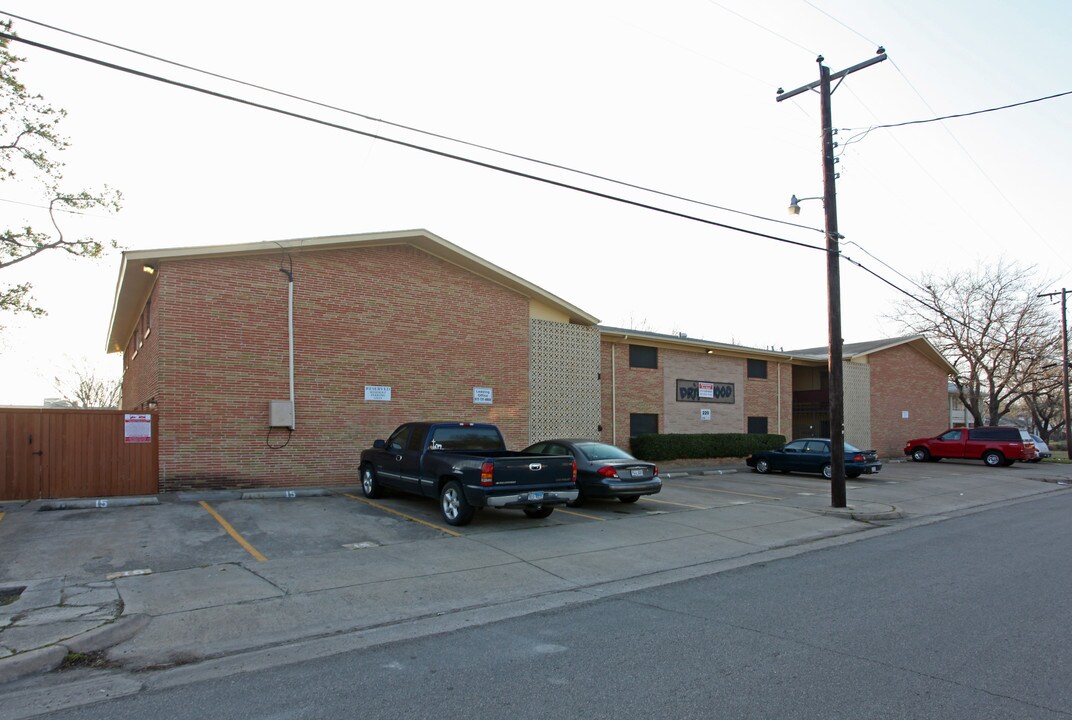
column 280, row 413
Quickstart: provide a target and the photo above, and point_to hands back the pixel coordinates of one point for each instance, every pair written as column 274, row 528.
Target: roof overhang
column 135, row 284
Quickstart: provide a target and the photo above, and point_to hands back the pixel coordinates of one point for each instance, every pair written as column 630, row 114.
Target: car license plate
column 873, row 470
column 636, row 472
column 536, row 495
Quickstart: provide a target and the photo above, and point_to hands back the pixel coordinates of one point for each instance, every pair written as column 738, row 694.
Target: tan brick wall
column 761, row 398
column 857, row 387
column 684, row 417
column 375, row 316
column 627, row 390
column 902, row 379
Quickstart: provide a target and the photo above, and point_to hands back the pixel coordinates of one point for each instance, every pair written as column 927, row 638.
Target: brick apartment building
column 390, row 327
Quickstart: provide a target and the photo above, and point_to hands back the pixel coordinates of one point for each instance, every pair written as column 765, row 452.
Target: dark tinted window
column 757, row 425
column 463, row 437
column 642, row 356
column 416, row 439
column 398, row 440
column 757, row 369
column 994, row 433
column 643, row 424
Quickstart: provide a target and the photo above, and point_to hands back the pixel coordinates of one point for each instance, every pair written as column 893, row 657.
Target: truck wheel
column 540, row 511
column 921, row 455
column 762, row 467
column 578, row 502
column 993, row 458
column 456, row 509
column 370, row 485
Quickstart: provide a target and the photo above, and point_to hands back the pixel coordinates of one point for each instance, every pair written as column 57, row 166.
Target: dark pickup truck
column 466, row 466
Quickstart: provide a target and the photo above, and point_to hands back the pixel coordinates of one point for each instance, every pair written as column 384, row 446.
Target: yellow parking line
column 404, row 515
column 728, row 492
column 574, row 512
column 667, row 502
column 232, row 532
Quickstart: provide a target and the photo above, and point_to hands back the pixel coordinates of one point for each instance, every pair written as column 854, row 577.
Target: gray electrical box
column 280, row 413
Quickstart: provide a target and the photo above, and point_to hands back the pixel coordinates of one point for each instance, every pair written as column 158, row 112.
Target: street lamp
column 794, row 203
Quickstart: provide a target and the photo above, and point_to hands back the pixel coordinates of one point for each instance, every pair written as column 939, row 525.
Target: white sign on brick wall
column 482, row 396
column 705, row 414
column 378, row 392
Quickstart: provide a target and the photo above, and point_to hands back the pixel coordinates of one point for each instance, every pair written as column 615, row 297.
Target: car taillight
column 607, row 471
column 573, row 471
column 487, row 473
column 857, row 458
column 654, row 470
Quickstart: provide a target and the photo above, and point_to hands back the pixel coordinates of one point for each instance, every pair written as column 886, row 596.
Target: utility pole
column 833, row 272
column 1064, row 361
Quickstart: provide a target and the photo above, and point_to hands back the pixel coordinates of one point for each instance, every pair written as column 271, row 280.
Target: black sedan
column 813, row 455
column 603, row 470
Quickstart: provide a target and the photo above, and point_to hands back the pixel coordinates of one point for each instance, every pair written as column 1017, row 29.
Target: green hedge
column 707, row 445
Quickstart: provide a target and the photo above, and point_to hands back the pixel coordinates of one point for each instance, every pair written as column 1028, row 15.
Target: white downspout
column 614, row 393
column 290, row 331
column 779, row 398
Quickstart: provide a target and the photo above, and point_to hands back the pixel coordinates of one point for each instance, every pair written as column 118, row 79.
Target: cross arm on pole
column 782, row 95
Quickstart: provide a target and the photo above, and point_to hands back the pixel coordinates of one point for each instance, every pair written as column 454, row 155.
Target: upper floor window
column 643, row 356
column 757, row 369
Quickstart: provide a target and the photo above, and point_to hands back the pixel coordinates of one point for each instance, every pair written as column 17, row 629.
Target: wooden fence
column 71, row 453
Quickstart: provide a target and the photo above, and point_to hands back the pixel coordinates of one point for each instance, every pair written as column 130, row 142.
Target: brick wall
column 141, row 376
column 761, row 398
column 902, row 379
column 684, row 416
column 629, row 390
column 392, row 316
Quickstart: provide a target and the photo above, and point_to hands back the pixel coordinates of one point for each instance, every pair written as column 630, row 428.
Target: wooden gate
column 67, row 453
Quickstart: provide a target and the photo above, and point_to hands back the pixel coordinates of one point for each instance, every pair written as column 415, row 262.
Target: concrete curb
column 99, row 503
column 861, row 515
column 43, row 659
column 49, row 658
column 108, row 635
column 271, row 494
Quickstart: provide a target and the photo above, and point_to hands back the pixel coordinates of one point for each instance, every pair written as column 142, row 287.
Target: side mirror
column 379, row 445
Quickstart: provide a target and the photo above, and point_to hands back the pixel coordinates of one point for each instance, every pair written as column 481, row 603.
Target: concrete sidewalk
column 190, row 615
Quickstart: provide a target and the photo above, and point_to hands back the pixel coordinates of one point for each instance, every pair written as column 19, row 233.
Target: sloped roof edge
column 861, row 349
column 133, row 285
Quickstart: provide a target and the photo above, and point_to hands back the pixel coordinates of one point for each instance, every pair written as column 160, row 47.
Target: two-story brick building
column 275, row 363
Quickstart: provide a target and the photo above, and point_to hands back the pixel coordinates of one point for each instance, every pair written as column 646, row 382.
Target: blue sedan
column 812, row 455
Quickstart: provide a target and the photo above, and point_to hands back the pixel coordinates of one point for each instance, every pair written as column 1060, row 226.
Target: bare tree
column 84, row 388
column 1045, row 403
column 29, row 142
column 995, row 330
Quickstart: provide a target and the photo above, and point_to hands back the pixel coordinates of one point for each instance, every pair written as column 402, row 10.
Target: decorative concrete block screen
column 857, row 382
column 564, row 380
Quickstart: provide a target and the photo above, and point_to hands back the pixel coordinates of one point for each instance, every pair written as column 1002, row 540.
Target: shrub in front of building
column 677, row 446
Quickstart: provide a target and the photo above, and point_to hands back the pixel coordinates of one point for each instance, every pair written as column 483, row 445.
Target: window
column 145, row 322
column 757, row 369
column 757, row 425
column 397, row 441
column 642, row 356
column 643, row 423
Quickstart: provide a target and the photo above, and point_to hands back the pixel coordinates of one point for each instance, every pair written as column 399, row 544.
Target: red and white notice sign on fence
column 138, row 428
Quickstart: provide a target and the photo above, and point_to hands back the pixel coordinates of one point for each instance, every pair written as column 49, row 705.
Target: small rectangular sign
column 705, row 391
column 138, row 428
column 482, row 396
column 378, row 392
column 705, row 414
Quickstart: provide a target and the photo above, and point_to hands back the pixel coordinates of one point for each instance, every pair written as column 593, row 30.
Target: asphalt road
column 964, row 618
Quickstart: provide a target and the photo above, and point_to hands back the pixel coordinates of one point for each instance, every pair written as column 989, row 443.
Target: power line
column 452, row 156
column 402, row 143
column 410, row 128
column 824, row 12
column 956, row 115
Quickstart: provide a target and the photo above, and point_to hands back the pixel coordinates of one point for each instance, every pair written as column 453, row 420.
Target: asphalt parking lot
column 186, row 530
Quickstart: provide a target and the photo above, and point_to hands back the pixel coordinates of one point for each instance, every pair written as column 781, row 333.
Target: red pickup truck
column 993, row 445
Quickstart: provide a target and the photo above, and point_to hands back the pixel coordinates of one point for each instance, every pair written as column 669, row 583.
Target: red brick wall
column 373, row 316
column 902, row 379
column 635, row 390
column 761, row 398
column 141, row 377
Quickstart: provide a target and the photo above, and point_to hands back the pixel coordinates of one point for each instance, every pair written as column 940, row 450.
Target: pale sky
column 678, row 96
